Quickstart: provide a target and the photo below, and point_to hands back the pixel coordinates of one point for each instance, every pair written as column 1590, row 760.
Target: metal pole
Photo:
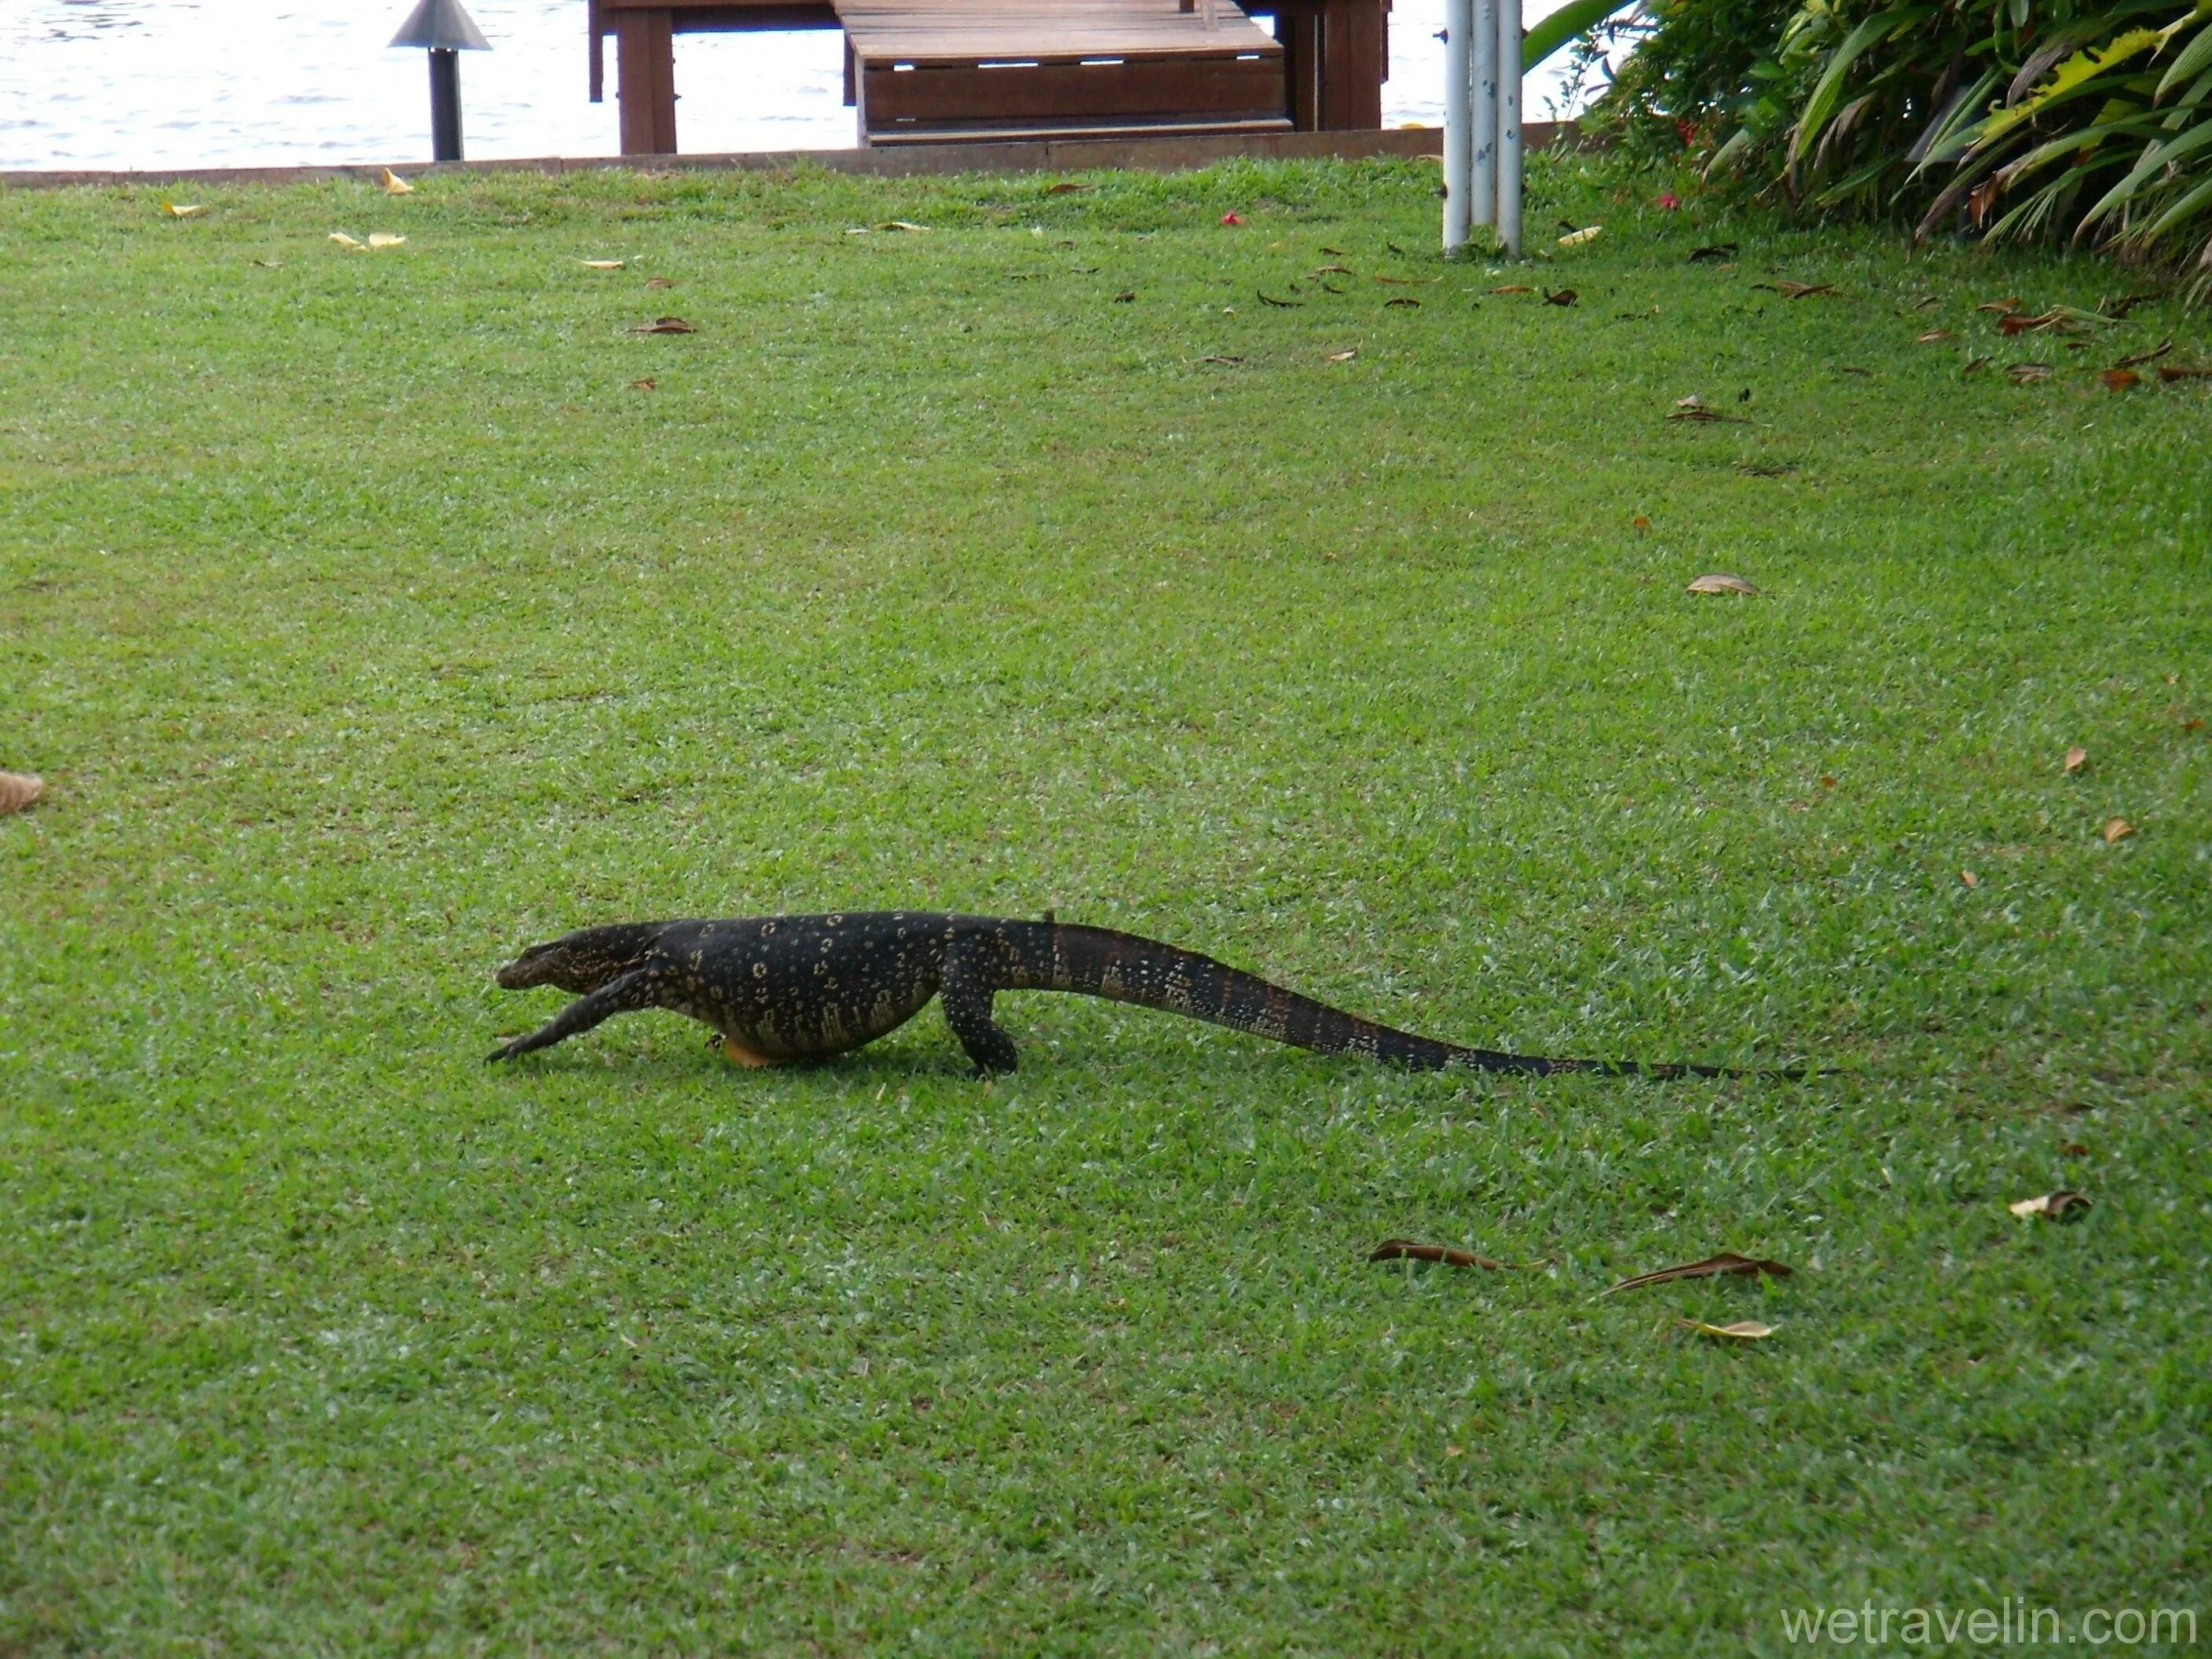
column 1459, row 145
column 1509, row 125
column 1483, row 195
column 444, row 105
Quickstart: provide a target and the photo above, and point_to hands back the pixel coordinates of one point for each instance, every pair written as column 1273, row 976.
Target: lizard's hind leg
column 966, row 990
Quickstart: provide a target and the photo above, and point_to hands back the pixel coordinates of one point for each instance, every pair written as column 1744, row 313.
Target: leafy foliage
column 2014, row 118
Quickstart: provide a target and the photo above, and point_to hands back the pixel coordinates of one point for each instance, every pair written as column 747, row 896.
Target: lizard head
column 580, row 962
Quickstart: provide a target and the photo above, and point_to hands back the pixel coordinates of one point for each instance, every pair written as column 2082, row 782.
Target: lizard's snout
column 531, row 968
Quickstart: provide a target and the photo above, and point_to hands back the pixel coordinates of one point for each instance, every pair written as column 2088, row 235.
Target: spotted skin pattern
column 778, row 989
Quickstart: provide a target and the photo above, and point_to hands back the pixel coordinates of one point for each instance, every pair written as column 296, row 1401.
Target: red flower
column 1230, row 219
column 1669, row 201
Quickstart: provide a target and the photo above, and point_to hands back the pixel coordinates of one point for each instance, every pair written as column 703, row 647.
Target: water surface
column 162, row 83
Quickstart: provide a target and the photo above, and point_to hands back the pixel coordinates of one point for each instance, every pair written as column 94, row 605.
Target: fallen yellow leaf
column 2076, row 758
column 176, row 212
column 601, row 265
column 2061, row 1205
column 1719, row 581
column 1578, row 237
column 384, row 238
column 1743, row 1330
column 345, row 241
column 396, row 185
column 903, row 224
column 1341, row 356
column 2116, row 828
column 1969, row 878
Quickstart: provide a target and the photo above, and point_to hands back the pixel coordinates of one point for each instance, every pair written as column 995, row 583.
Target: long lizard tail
column 1050, row 956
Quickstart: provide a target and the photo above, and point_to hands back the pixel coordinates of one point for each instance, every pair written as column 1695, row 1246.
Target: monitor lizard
column 778, row 989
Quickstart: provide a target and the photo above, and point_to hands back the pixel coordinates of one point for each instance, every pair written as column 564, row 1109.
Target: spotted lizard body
column 784, row 988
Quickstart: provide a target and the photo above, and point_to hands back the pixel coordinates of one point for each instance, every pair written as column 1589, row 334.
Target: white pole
column 1484, row 196
column 1509, row 125
column 1459, row 145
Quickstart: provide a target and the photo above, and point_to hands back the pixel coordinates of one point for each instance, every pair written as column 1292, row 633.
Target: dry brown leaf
column 1728, row 1262
column 1344, row 356
column 2072, row 1149
column 2076, row 758
column 1406, row 281
column 1405, row 1249
column 345, row 241
column 1789, row 290
column 1514, row 288
column 384, row 238
column 1641, row 521
column 1935, row 334
column 2027, row 373
column 2002, row 308
column 603, row 264
column 270, row 264
column 2143, row 357
column 1719, row 581
column 2170, row 373
column 176, row 212
column 1974, row 363
column 1127, row 296
column 2120, row 380
column 1221, row 357
column 1971, row 880
column 665, row 325
column 1565, row 296
column 1712, row 253
column 660, row 281
column 1068, row 187
column 18, row 790
column 644, row 383
column 395, row 186
column 1402, row 299
column 2064, row 1204
column 2116, row 828
column 1927, row 302
column 1286, row 304
column 1332, row 270
column 1743, row 1330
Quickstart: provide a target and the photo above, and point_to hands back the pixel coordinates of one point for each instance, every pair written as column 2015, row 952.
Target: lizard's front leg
column 971, row 982
column 638, row 988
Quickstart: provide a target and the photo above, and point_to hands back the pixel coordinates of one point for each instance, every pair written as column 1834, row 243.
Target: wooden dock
column 936, row 71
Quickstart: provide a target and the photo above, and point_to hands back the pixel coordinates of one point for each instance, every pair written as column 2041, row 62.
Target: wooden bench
column 939, row 70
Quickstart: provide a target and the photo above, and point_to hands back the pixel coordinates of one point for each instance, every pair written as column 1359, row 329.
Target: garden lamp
column 445, row 30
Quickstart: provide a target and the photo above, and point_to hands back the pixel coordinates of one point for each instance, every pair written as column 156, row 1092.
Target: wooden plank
column 645, row 81
column 972, row 137
column 919, row 31
column 1206, row 85
column 1355, row 61
column 1300, row 33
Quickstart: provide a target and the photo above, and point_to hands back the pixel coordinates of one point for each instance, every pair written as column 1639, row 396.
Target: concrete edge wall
column 1162, row 153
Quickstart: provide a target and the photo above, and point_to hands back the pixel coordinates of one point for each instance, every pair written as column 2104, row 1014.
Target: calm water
column 145, row 83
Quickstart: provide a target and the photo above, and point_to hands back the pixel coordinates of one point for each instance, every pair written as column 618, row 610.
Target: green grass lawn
column 368, row 622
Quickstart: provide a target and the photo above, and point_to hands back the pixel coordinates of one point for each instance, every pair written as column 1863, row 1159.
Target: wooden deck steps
column 925, row 72
column 938, row 71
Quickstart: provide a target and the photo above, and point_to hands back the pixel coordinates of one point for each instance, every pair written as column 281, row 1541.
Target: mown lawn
column 368, row 622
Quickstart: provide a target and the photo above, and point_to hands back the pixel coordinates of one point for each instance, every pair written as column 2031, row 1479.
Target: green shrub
column 2011, row 118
